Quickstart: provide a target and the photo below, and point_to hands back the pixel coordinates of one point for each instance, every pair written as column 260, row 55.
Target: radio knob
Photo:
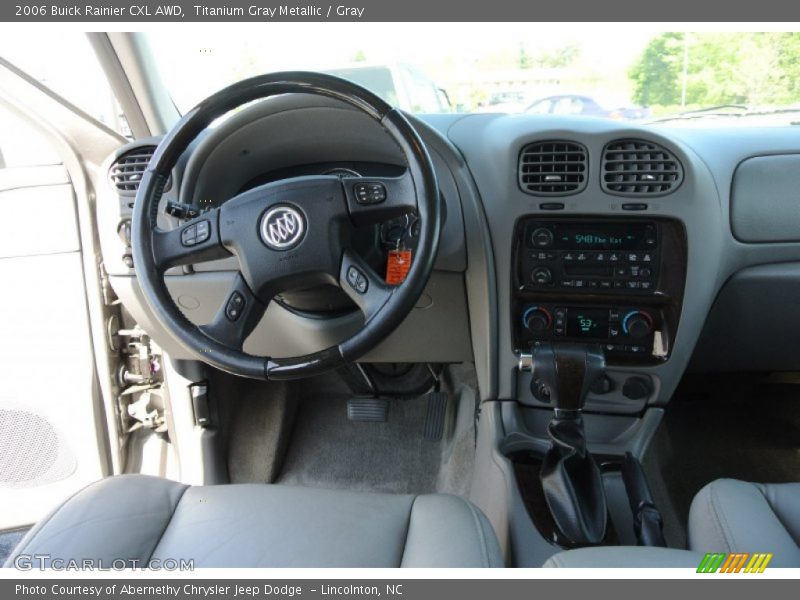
column 541, row 275
column 537, row 320
column 542, row 237
column 637, row 324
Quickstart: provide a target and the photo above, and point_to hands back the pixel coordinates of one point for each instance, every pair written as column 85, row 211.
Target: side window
column 22, row 145
column 72, row 72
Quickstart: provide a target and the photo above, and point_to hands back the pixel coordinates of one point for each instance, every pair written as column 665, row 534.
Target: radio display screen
column 587, row 323
column 598, row 236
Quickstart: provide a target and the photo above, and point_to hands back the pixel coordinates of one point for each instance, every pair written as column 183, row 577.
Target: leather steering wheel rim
column 148, row 241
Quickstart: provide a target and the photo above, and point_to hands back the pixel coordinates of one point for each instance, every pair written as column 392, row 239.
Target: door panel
column 49, row 444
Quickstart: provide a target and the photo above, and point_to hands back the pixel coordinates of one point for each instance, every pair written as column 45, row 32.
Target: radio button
column 621, row 271
column 632, row 285
column 619, row 284
column 542, row 276
column 579, row 283
column 542, row 238
column 567, row 283
column 592, row 283
column 645, row 285
column 600, row 257
column 568, row 257
column 613, row 257
column 542, row 255
column 605, row 284
column 582, row 257
column 632, row 257
column 647, row 257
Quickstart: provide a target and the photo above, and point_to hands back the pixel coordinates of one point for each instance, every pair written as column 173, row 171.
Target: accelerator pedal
column 371, row 410
column 434, row 419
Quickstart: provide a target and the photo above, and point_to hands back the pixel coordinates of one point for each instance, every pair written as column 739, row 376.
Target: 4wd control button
column 357, row 280
column 235, row 306
column 370, row 193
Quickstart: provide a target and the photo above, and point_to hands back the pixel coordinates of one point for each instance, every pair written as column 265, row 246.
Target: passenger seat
column 726, row 516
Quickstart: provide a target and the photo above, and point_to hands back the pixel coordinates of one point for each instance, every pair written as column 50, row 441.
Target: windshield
column 623, row 72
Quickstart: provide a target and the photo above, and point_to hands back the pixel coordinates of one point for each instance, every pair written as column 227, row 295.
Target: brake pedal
column 434, row 419
column 371, row 410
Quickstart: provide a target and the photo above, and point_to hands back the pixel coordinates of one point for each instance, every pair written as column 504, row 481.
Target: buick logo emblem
column 282, row 227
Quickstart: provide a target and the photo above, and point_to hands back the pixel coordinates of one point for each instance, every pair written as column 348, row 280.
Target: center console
column 616, row 282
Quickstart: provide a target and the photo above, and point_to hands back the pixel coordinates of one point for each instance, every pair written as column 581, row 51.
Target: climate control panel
column 625, row 330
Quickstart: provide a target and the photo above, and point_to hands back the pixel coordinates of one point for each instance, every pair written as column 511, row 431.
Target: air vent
column 639, row 168
column 553, row 168
column 126, row 172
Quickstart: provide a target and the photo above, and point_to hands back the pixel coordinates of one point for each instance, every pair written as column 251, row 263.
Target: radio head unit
column 593, row 256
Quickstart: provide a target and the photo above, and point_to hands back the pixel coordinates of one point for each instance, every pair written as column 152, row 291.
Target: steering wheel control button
column 235, row 306
column 283, row 227
column 203, row 232
column 357, row 280
column 189, row 235
column 370, row 193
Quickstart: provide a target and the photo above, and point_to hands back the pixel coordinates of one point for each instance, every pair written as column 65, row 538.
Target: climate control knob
column 542, row 238
column 537, row 320
column 637, row 324
column 542, row 275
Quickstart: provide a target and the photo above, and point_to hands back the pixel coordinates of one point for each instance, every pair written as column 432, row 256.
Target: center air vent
column 126, row 172
column 639, row 168
column 553, row 168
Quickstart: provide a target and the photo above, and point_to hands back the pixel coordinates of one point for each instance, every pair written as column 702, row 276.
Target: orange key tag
column 397, row 266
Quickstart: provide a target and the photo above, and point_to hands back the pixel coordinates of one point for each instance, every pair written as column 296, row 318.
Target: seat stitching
column 408, row 528
column 167, row 524
column 763, row 491
column 724, row 528
column 482, row 538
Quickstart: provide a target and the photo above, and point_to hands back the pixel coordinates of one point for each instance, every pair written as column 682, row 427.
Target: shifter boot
column 573, row 485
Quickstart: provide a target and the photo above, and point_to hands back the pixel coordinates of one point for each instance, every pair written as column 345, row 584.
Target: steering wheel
column 290, row 234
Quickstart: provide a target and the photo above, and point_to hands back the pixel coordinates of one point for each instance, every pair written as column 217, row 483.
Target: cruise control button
column 357, row 280
column 234, row 307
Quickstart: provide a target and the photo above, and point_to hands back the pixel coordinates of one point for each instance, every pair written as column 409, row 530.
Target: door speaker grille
column 32, row 452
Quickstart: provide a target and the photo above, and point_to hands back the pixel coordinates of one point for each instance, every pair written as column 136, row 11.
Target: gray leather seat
column 624, row 557
column 726, row 516
column 735, row 516
column 140, row 518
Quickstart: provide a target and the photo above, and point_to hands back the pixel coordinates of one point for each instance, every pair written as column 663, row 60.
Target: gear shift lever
column 571, row 479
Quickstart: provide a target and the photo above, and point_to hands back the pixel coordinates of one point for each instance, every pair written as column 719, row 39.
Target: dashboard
column 654, row 242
